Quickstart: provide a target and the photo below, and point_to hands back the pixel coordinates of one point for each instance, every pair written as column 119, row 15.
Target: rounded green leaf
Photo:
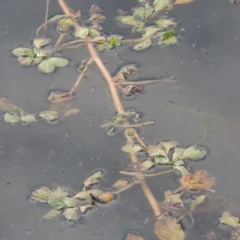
column 46, row 66
column 143, row 44
column 150, row 31
column 58, row 61
column 130, row 20
column 23, row 52
column 94, row 33
column 49, row 115
column 167, row 38
column 11, row 117
column 162, row 5
column 161, row 160
column 71, row 202
column 81, row 32
column 101, row 47
column 193, row 153
column 27, row 118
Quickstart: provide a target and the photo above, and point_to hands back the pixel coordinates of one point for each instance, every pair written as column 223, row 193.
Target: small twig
column 136, row 125
column 59, row 40
column 141, row 82
column 90, row 61
column 46, row 17
column 72, row 42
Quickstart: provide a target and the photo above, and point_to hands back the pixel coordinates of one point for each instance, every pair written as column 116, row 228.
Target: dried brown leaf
column 93, row 179
column 198, row 180
column 106, row 197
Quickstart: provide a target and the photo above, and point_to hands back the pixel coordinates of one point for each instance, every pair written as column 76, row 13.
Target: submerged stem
column 90, row 61
column 59, row 40
column 120, row 110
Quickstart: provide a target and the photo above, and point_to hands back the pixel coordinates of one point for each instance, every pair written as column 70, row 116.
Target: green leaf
column 41, row 195
column 193, row 153
column 150, row 31
column 162, row 5
column 71, row 202
column 147, row 164
column 145, row 43
column 167, row 38
column 49, row 115
column 40, row 42
column 228, row 219
column 131, row 148
column 156, row 150
column 81, row 32
column 58, row 61
column 11, row 117
column 64, row 24
column 94, row 33
column 199, row 200
column 27, row 118
column 166, row 23
column 168, row 145
column 52, row 214
column 101, row 47
column 37, row 60
column 23, row 52
column 46, row 66
column 148, row 10
column 72, row 214
column 178, row 153
column 161, row 160
column 25, row 61
column 129, row 20
column 56, row 198
column 182, row 170
column 99, row 39
column 139, row 13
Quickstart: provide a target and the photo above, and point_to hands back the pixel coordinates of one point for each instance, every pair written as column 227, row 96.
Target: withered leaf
column 198, row 180
column 167, row 228
column 194, row 153
column 173, row 199
column 93, row 179
column 59, row 97
column 86, row 195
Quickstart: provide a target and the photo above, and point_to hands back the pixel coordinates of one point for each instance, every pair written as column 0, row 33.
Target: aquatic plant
column 151, row 27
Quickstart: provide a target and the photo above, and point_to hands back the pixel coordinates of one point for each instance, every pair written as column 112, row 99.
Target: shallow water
column 205, row 97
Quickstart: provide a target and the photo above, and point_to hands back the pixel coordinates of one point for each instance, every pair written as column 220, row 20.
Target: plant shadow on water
column 75, row 164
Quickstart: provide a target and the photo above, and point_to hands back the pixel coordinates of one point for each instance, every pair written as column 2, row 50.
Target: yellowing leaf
column 132, row 236
column 167, row 228
column 131, row 148
column 228, row 219
column 106, row 197
column 120, row 183
column 52, row 214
